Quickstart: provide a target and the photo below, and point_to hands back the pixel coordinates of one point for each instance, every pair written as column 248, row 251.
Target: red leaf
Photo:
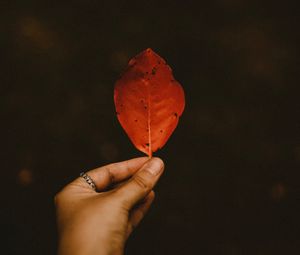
column 149, row 101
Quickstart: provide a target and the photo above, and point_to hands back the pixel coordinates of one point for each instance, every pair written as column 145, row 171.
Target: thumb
column 141, row 183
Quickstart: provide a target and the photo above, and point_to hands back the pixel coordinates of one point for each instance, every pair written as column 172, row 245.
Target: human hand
column 99, row 223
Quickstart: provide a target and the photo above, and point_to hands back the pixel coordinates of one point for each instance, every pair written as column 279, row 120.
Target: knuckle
column 57, row 199
column 142, row 182
column 109, row 174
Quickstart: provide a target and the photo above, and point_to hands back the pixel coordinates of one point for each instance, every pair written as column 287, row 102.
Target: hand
column 99, row 223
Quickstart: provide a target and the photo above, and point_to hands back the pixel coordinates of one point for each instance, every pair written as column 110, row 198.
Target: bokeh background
column 231, row 184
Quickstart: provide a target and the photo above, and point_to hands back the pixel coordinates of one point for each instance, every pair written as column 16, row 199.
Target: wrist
column 91, row 246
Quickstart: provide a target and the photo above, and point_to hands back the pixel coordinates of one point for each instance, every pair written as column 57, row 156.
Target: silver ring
column 88, row 180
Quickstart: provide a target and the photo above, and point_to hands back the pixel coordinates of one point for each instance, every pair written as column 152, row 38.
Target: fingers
column 138, row 213
column 141, row 183
column 112, row 173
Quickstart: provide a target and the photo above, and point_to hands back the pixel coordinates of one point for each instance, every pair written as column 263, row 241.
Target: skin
column 99, row 223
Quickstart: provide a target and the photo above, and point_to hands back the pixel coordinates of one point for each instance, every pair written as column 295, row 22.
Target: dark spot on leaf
column 161, row 131
column 135, row 120
column 147, row 72
column 172, row 80
column 117, row 113
column 153, row 70
column 145, row 107
column 175, row 114
column 142, row 100
column 158, row 62
column 121, row 105
column 147, row 144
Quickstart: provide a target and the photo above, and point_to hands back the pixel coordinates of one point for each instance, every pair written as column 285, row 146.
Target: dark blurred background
column 231, row 184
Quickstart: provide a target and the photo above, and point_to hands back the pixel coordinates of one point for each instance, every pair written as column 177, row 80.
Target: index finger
column 115, row 172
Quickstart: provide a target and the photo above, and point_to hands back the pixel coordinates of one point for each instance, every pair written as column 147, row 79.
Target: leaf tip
column 149, row 50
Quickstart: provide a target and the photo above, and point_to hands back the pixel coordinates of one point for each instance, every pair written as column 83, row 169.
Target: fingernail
column 154, row 166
